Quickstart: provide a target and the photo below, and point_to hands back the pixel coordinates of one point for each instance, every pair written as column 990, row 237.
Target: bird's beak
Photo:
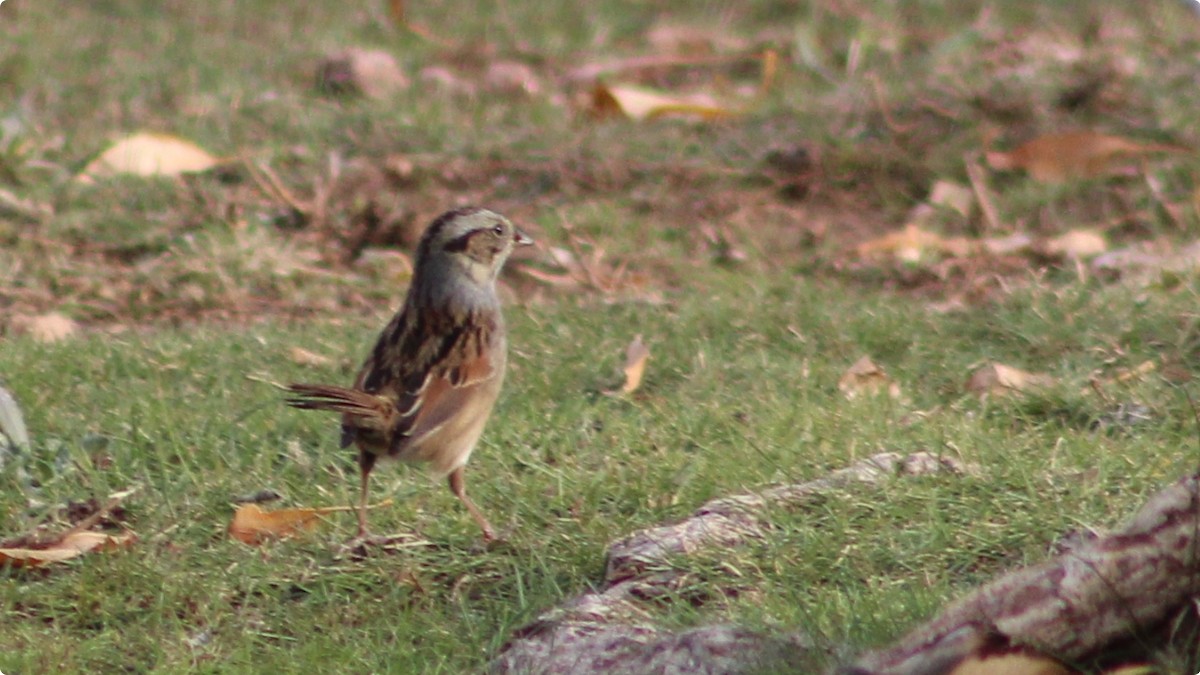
column 522, row 239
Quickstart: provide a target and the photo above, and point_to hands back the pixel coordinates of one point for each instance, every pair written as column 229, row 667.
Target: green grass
column 194, row 292
column 563, row 470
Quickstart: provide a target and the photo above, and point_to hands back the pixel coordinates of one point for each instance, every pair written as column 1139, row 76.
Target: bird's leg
column 458, row 485
column 366, row 461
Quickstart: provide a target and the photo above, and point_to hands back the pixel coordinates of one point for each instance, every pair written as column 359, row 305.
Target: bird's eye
column 498, row 230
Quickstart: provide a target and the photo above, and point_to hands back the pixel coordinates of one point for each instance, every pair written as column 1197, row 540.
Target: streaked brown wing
column 428, row 364
column 441, row 401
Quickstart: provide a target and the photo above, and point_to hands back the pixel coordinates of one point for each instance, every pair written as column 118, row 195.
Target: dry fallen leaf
column 252, row 525
column 865, row 377
column 636, row 355
column 1017, row 242
column 303, row 357
column 953, row 196
column 770, row 70
column 149, row 154
column 997, row 378
column 1055, row 158
column 71, row 546
column 32, row 551
column 640, row 103
column 1097, row 384
column 912, row 243
column 396, row 13
column 1076, row 244
column 51, row 327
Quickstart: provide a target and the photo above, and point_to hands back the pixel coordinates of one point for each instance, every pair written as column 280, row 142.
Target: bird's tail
column 368, row 410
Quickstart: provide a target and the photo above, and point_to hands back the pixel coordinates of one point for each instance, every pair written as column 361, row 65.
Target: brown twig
column 88, row 523
column 982, row 194
column 1156, row 189
column 877, row 89
column 273, row 188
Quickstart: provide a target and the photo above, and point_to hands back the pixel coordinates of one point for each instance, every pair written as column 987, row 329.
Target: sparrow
column 427, row 388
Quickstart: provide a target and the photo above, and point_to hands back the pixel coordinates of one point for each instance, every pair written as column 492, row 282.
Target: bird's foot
column 365, row 544
column 492, row 541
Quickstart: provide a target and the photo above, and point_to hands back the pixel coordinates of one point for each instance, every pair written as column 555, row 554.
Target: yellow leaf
column 149, row 154
column 73, row 545
column 252, row 525
column 636, row 355
column 640, row 103
column 911, row 244
column 1055, row 158
column 997, row 378
column 865, row 377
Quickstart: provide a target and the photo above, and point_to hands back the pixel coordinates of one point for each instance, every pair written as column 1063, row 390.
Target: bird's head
column 469, row 240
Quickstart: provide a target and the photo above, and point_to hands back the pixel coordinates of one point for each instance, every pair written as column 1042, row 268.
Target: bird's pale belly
column 449, row 445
